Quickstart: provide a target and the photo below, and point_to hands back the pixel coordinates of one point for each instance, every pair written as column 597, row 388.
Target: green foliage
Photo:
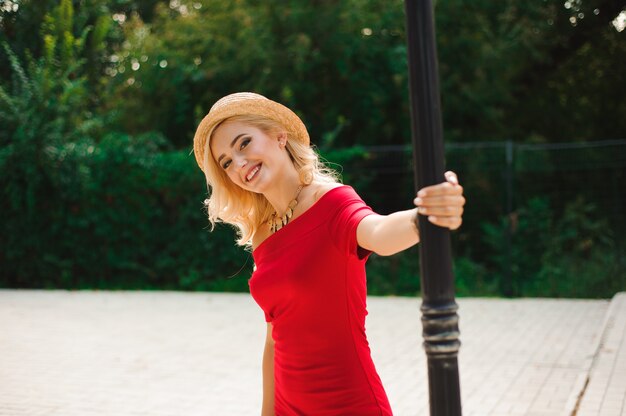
column 537, row 253
column 473, row 279
column 399, row 275
column 574, row 254
column 43, row 110
column 484, row 47
column 342, row 66
column 170, row 71
column 85, row 205
column 44, row 107
column 355, row 156
column 583, row 258
column 517, row 243
column 507, row 69
column 394, row 275
column 118, row 216
column 62, row 31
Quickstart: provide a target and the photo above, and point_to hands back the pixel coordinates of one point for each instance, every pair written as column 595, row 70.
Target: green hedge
column 121, row 214
column 127, row 213
column 84, row 207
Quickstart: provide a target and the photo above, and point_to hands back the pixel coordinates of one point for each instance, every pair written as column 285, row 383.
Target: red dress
column 310, row 282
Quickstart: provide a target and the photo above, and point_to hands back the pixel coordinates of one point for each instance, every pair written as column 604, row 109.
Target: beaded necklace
column 277, row 222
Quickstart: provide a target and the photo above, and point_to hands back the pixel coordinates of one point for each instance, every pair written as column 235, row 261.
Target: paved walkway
column 605, row 393
column 173, row 353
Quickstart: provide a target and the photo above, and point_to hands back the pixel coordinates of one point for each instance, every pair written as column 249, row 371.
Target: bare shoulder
column 261, row 234
column 309, row 196
column 322, row 188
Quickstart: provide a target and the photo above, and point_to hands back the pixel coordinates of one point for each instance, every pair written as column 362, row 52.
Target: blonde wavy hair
column 246, row 211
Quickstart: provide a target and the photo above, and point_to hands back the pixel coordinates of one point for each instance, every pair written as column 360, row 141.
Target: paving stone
column 606, row 389
column 92, row 353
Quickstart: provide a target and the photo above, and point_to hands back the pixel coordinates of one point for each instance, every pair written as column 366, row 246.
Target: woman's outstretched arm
column 389, row 234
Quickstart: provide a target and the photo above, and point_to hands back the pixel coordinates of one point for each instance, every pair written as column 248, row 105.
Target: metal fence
column 500, row 177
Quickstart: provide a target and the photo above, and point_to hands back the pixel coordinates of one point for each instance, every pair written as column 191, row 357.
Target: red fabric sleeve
column 343, row 224
column 268, row 318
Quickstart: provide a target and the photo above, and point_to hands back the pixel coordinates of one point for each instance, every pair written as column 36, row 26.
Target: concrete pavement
column 605, row 392
column 174, row 353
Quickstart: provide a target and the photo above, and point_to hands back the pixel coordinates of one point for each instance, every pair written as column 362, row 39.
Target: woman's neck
column 283, row 192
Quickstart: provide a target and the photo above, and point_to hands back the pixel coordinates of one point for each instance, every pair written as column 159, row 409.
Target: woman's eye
column 244, row 143
column 226, row 165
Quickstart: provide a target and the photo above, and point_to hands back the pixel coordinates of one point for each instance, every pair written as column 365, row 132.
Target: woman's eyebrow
column 232, row 144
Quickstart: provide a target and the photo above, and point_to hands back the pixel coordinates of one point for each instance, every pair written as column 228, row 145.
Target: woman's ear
column 282, row 138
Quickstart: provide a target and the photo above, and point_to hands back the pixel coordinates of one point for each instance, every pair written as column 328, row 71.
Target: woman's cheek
column 233, row 178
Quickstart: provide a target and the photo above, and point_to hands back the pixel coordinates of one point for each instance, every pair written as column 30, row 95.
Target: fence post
column 507, row 290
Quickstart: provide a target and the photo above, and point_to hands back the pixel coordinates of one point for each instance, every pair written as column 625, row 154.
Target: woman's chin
column 257, row 186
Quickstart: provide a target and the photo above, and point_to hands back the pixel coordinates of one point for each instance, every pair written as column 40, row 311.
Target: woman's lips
column 253, row 172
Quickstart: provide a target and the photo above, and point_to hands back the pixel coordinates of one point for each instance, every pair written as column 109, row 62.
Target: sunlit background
column 99, row 100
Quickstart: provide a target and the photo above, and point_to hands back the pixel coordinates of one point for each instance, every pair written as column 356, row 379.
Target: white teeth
column 252, row 173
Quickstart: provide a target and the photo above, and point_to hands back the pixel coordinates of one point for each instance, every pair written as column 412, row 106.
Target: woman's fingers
column 450, row 187
column 442, row 203
column 447, row 211
column 444, row 188
column 448, row 222
column 433, row 201
column 451, row 177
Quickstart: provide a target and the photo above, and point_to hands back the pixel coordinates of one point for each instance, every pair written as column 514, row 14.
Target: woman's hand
column 389, row 234
column 442, row 203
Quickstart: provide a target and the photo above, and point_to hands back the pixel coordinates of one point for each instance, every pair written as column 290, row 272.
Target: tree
column 43, row 111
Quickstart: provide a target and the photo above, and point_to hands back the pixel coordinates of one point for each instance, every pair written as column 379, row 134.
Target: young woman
column 310, row 238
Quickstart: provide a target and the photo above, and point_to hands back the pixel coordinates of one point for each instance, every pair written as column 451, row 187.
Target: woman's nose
column 241, row 162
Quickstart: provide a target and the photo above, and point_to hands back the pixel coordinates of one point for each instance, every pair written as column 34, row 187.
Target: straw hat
column 246, row 103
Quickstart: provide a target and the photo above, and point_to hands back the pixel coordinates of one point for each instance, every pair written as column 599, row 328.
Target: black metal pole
column 439, row 317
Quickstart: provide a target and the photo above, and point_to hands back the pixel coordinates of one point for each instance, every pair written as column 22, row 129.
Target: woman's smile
column 252, row 173
column 250, row 157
